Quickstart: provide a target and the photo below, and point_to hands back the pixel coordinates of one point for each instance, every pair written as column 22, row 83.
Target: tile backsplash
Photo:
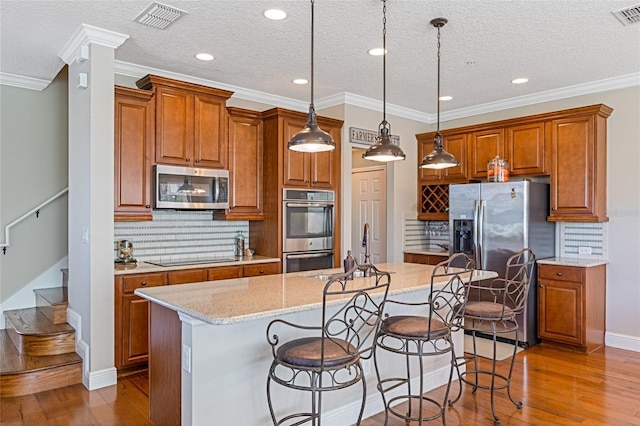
column 176, row 235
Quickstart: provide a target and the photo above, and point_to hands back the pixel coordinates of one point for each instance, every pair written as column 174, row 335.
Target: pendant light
column 311, row 138
column 438, row 158
column 384, row 149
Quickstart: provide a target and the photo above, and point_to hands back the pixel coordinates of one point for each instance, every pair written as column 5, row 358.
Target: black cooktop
column 190, row 261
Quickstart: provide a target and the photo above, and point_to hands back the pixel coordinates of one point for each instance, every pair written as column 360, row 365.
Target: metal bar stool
column 495, row 314
column 427, row 333
column 328, row 357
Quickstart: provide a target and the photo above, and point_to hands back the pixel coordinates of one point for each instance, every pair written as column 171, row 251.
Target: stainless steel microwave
column 190, row 188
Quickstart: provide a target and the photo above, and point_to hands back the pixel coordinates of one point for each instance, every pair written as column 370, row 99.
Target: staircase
column 37, row 348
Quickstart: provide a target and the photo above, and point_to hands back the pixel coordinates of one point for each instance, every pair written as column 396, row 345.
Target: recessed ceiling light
column 275, row 14
column 445, row 98
column 378, row 51
column 300, row 81
column 519, row 80
column 204, row 57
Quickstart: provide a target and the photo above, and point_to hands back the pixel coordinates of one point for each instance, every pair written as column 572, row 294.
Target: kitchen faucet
column 365, row 244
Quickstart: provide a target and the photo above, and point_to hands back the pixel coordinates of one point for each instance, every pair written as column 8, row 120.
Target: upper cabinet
column 569, row 146
column 134, row 139
column 579, row 165
column 191, row 123
column 245, row 165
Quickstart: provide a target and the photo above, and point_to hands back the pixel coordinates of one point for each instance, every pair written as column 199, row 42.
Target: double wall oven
column 307, row 229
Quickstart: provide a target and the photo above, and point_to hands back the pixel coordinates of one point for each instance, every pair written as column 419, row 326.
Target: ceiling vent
column 628, row 15
column 159, row 15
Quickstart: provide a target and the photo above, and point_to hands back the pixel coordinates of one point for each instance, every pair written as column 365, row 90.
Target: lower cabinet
column 425, row 259
column 132, row 312
column 571, row 306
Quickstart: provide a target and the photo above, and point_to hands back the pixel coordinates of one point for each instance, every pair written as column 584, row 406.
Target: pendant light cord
column 438, row 125
column 312, row 19
column 384, row 63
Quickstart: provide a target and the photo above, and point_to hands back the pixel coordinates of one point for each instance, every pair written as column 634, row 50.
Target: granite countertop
column 572, row 261
column 143, row 267
column 245, row 299
column 431, row 251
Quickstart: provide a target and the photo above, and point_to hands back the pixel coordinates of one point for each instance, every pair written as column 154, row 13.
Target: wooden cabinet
column 134, row 143
column 308, row 170
column 579, row 165
column 245, row 165
column 568, row 145
column 191, row 122
column 224, row 272
column 185, row 276
column 525, row 149
column 571, row 305
column 289, row 169
column 261, row 269
column 424, row 259
column 131, row 318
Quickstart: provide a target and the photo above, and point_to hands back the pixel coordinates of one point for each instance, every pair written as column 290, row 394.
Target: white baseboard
column 345, row 414
column 621, row 341
column 90, row 379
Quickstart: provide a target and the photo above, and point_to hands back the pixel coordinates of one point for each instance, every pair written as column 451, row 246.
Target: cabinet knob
column 314, row 182
column 187, row 159
column 540, row 285
column 262, row 271
column 148, row 206
column 143, row 283
column 197, row 161
column 559, row 274
column 306, row 181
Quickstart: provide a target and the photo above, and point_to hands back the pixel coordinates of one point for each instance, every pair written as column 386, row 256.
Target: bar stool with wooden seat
column 495, row 314
column 327, row 357
column 420, row 329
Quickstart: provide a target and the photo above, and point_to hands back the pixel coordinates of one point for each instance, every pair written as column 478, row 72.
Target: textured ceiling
column 485, row 45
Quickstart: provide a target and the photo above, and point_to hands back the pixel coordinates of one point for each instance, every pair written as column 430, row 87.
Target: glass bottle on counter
column 239, row 244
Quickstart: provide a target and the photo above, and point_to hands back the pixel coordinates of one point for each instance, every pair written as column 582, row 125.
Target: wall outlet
column 584, row 250
column 186, row 358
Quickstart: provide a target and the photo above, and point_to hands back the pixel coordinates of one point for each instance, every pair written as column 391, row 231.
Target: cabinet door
column 210, row 132
column 296, row 164
column 416, row 258
column 525, row 149
column 135, row 335
column 224, row 272
column 134, row 143
column 484, row 146
column 261, row 269
column 573, row 167
column 560, row 312
column 187, row 276
column 174, row 126
column 456, row 145
column 245, row 165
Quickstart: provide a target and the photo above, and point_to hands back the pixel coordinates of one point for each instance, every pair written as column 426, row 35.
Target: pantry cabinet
column 191, row 123
column 134, row 117
column 571, row 306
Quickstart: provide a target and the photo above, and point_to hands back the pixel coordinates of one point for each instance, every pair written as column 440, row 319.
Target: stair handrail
column 35, row 210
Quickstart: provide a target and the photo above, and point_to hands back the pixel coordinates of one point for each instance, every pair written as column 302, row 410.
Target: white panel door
column 369, row 205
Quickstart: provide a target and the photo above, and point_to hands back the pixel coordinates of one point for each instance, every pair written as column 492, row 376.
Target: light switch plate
column 584, row 250
column 186, row 358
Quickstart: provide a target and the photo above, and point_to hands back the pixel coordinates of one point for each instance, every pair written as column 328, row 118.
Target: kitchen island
column 209, row 356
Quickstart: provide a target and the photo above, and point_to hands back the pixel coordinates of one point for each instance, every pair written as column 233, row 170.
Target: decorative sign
column 367, row 137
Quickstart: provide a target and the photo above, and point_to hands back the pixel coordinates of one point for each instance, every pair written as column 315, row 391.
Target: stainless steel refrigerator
column 492, row 221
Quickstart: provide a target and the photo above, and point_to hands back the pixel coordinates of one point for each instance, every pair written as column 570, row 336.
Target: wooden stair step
column 53, row 302
column 34, row 334
column 24, row 374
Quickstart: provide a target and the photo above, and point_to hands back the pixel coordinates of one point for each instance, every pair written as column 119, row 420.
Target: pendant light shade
column 438, row 158
column 311, row 138
column 384, row 149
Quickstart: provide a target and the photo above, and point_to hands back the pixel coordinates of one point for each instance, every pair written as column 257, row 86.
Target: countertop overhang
column 143, row 267
column 245, row 299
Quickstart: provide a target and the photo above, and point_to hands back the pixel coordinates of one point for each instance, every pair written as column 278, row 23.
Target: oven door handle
column 309, row 205
column 308, row 256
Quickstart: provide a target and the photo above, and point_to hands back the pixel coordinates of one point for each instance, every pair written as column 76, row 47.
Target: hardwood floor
column 557, row 387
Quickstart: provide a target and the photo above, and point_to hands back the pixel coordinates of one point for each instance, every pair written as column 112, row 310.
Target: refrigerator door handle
column 476, row 246
column 480, row 225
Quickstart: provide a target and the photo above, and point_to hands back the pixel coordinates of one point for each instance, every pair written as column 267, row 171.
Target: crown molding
column 88, row 34
column 604, row 85
column 375, row 105
column 139, row 71
column 23, row 82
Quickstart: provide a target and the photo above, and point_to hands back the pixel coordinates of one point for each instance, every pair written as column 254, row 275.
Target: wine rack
column 434, row 202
